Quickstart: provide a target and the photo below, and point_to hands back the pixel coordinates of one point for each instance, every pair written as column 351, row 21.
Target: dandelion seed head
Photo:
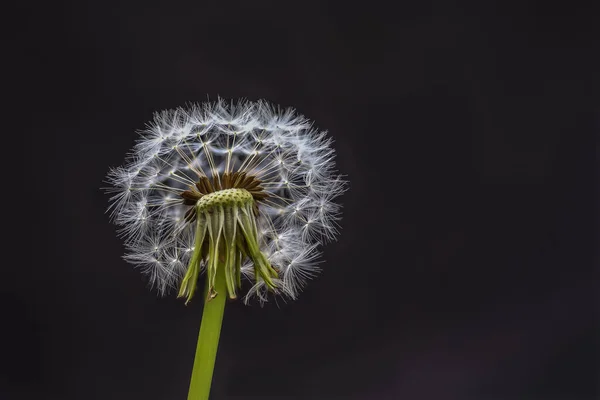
column 266, row 169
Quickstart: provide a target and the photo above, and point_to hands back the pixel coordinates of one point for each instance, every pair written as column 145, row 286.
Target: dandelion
column 234, row 191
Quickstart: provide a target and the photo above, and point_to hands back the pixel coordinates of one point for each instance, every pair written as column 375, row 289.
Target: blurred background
column 464, row 268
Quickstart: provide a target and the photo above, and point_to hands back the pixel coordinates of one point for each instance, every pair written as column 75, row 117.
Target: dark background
column 464, row 268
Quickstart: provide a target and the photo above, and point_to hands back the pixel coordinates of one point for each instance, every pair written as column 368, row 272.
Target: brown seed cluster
column 234, row 180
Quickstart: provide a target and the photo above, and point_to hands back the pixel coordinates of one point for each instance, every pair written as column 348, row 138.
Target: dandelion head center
column 224, row 198
column 234, row 188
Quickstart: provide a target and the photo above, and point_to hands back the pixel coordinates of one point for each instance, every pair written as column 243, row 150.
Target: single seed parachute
column 246, row 187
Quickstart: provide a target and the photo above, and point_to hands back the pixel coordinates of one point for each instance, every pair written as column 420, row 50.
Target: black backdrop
column 464, row 267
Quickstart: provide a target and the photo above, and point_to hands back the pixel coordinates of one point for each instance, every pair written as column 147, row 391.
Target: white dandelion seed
column 243, row 187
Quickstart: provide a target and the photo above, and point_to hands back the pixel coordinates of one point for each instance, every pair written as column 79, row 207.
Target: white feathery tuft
column 294, row 161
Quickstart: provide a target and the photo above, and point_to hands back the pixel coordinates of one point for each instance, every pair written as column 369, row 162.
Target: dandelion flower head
column 242, row 188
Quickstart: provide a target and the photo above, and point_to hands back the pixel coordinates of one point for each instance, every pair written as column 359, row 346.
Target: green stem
column 208, row 339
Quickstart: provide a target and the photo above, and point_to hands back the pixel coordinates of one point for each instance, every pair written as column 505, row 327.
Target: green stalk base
column 208, row 340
